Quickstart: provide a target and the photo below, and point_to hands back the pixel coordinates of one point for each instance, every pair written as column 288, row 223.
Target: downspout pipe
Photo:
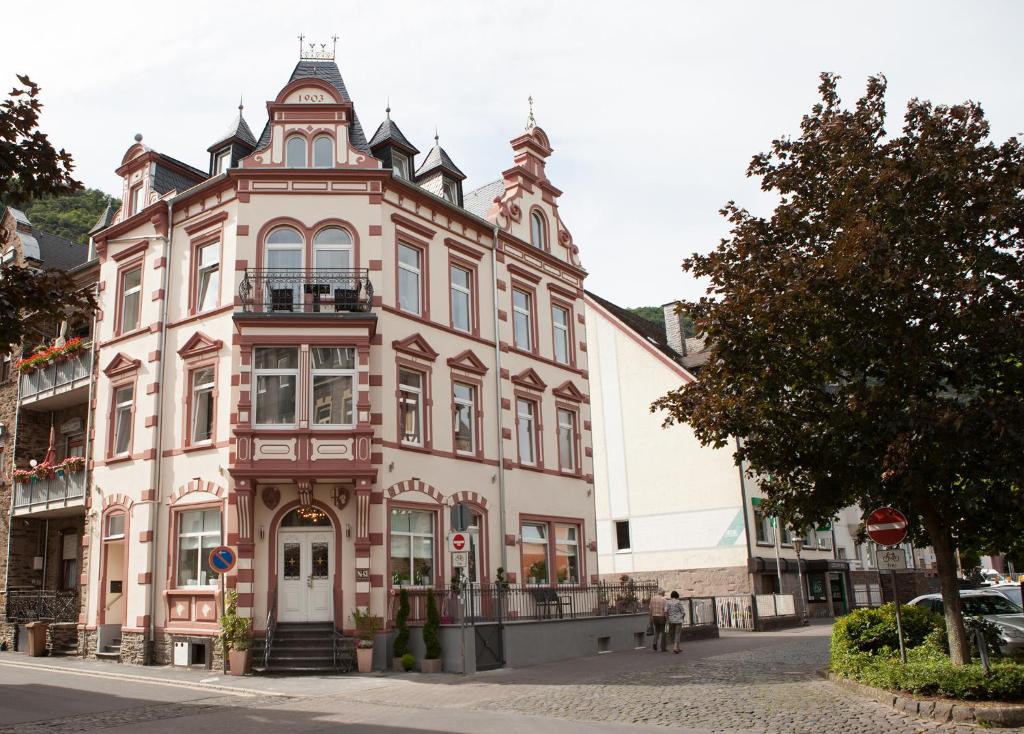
column 154, row 520
column 498, row 422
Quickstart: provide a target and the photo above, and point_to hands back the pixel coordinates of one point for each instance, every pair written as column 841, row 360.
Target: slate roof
column 649, row 331
column 479, row 201
column 388, row 131
column 327, row 71
column 105, row 219
column 238, row 129
column 437, row 158
column 166, row 179
column 58, row 253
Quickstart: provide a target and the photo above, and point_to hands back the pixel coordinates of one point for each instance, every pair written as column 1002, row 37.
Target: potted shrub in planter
column 236, row 635
column 432, row 636
column 407, row 662
column 402, row 637
column 366, row 627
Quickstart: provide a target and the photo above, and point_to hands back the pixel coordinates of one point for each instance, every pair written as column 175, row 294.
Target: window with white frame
column 198, row 534
column 323, row 152
column 824, row 539
column 135, row 200
column 131, row 299
column 222, row 162
column 410, row 275
column 283, row 257
column 400, row 164
column 334, row 376
column 410, row 406
column 526, row 414
column 332, row 258
column 113, row 529
column 122, row 420
column 464, row 397
column 462, row 298
column 207, row 276
column 277, row 373
column 295, row 152
column 566, row 440
column 567, row 554
column 451, row 192
column 538, row 231
column 522, row 319
column 763, row 527
column 534, row 552
column 412, row 547
column 202, row 404
column 560, row 333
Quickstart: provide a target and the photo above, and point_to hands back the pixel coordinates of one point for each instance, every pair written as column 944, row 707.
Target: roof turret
column 437, row 158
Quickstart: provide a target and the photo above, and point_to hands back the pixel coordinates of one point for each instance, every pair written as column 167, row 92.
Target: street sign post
column 888, row 527
column 460, row 559
column 223, row 559
column 458, row 542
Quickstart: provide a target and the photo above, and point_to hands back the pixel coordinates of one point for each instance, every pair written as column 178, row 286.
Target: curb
column 942, row 710
column 241, row 692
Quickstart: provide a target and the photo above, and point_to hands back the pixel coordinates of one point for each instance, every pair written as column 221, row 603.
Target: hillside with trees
column 70, row 215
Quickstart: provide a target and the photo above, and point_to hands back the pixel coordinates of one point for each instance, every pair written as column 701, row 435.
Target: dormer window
column 400, row 164
column 538, row 232
column 135, row 200
column 323, row 152
column 222, row 161
column 450, row 192
column 295, row 152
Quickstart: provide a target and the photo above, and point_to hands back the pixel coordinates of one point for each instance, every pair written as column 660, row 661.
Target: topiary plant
column 408, row 662
column 402, row 624
column 431, row 630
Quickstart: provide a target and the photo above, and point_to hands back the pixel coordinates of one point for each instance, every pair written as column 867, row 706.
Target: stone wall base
column 8, row 635
column 134, row 648
column 695, row 581
column 61, row 637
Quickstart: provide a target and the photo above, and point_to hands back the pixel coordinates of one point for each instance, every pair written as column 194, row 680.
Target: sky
column 654, row 109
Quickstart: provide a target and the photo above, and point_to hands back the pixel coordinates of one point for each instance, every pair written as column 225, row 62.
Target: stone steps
column 305, row 649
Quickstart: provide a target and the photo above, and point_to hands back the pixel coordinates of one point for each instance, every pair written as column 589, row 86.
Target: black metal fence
column 298, row 290
column 30, row 605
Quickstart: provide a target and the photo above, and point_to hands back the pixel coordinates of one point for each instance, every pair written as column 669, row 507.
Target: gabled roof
column 328, row 72
column 388, row 132
column 647, row 330
column 52, row 251
column 479, row 201
column 238, row 130
column 438, row 159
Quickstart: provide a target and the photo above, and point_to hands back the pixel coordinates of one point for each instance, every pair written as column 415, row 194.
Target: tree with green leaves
column 70, row 216
column 867, row 337
column 30, row 168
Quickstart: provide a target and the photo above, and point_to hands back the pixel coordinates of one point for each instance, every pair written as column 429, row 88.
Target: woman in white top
column 675, row 615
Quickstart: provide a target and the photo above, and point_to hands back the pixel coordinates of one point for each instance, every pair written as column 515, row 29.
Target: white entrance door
column 305, row 576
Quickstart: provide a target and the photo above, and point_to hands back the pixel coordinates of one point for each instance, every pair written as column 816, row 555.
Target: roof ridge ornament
column 310, row 52
column 531, row 122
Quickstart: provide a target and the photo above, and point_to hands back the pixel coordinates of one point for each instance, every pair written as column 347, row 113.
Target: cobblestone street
column 741, row 683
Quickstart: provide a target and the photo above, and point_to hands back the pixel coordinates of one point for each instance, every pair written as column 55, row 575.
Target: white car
column 1010, row 591
column 1007, row 615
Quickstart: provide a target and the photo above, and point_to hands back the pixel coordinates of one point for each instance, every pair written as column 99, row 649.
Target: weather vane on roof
column 530, row 121
column 311, row 52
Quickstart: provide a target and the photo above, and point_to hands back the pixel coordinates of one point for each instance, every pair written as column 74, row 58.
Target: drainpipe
column 154, row 520
column 497, row 400
column 87, row 445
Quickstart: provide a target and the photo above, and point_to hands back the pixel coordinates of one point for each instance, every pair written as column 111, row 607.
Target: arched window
column 295, row 152
column 332, row 259
column 323, row 152
column 282, row 259
column 538, row 232
column 306, row 517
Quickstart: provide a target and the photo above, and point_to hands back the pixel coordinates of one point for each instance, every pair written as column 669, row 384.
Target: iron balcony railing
column 57, row 377
column 297, row 290
column 30, row 605
column 44, row 494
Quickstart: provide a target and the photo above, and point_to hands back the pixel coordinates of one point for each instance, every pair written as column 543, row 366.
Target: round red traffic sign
column 458, row 541
column 887, row 526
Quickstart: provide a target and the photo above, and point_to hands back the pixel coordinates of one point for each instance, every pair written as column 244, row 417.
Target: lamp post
column 798, row 545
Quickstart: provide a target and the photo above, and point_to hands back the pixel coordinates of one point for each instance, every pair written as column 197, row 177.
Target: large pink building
column 323, row 352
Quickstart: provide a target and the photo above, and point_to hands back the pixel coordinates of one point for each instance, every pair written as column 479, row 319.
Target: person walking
column 658, row 618
column 675, row 616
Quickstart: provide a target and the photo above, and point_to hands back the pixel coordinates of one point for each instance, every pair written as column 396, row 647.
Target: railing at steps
column 269, row 640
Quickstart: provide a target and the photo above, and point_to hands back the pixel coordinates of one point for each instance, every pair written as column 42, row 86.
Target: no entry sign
column 222, row 559
column 887, row 526
column 458, row 542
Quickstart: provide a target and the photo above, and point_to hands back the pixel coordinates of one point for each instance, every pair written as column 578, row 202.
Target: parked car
column 1010, row 591
column 1007, row 615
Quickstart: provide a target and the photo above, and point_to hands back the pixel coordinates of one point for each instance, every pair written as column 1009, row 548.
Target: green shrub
column 402, row 624
column 874, row 630
column 431, row 629
column 408, row 662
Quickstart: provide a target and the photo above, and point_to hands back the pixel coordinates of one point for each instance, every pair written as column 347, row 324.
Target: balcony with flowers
column 56, row 376
column 52, row 487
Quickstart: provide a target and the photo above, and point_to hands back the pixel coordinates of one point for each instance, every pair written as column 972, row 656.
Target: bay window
column 522, row 319
column 410, row 273
column 131, row 299
column 277, row 371
column 198, row 534
column 461, row 298
column 412, row 547
column 526, row 421
column 560, row 333
column 207, row 276
column 410, row 406
column 465, row 418
column 122, row 420
column 567, row 440
column 202, row 405
column 334, row 375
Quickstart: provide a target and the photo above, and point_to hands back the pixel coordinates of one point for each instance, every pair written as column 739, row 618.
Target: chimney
column 674, row 328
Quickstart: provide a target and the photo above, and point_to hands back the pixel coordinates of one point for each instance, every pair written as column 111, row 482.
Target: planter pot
column 430, row 666
column 238, row 662
column 364, row 659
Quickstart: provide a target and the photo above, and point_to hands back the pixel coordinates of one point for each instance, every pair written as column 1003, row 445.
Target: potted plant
column 402, row 637
column 432, row 636
column 407, row 662
column 236, row 635
column 366, row 627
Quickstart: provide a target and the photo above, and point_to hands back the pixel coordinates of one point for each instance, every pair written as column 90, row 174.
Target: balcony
column 58, row 384
column 299, row 291
column 60, row 492
column 30, row 605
